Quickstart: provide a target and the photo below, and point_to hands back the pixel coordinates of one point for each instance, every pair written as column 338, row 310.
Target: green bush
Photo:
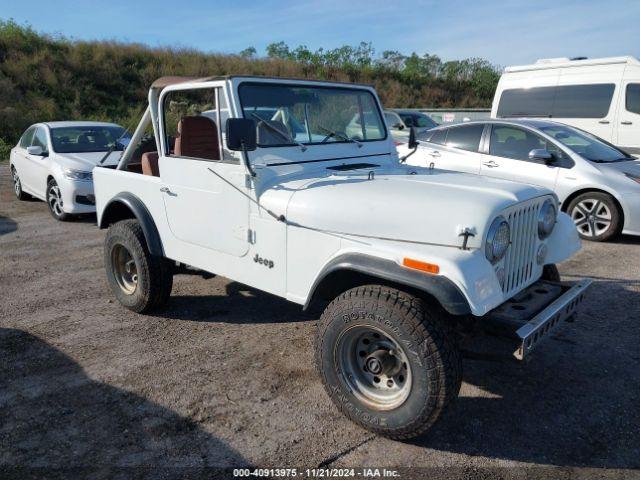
column 5, row 150
column 45, row 77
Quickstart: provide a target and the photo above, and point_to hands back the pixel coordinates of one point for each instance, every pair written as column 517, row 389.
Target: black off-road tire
column 551, row 273
column 17, row 185
column 56, row 211
column 424, row 332
column 154, row 273
column 607, row 201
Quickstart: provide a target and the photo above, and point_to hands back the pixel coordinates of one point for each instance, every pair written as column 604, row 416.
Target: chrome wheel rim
column 55, row 200
column 124, row 269
column 17, row 186
column 592, row 217
column 374, row 367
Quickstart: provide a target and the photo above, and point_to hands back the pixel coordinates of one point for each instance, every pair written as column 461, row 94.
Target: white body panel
column 386, row 210
column 618, row 125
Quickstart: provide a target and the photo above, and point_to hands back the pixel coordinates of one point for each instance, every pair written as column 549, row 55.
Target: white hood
column 424, row 208
column 86, row 161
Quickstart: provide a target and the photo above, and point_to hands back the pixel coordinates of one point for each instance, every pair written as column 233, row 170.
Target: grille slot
column 520, row 261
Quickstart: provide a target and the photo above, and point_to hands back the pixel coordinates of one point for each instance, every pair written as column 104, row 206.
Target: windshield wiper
column 284, row 135
column 344, row 136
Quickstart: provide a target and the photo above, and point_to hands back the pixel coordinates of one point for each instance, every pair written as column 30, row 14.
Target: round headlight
column 546, row 219
column 498, row 240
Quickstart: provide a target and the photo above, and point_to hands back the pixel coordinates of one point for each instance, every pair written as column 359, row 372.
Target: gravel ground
column 224, row 377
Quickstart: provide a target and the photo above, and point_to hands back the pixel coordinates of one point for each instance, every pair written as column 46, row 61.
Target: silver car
column 597, row 184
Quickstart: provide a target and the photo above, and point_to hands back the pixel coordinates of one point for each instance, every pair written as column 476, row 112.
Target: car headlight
column 498, row 240
column 72, row 174
column 546, row 219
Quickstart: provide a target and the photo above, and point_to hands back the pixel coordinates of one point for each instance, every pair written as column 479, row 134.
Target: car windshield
column 93, row 138
column 419, row 120
column 586, row 145
column 290, row 115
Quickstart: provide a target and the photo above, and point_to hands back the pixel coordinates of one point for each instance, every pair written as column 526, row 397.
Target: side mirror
column 542, row 155
column 413, row 143
column 35, row 150
column 241, row 134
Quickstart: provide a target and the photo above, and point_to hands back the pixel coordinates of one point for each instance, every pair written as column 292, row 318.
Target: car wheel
column 387, row 361
column 139, row 280
column 55, row 202
column 551, row 273
column 596, row 215
column 17, row 185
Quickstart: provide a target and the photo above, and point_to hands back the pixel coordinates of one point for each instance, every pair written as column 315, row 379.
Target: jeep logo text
column 263, row 261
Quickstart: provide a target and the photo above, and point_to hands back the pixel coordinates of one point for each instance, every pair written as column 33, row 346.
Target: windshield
column 419, row 120
column 84, row 139
column 586, row 145
column 289, row 115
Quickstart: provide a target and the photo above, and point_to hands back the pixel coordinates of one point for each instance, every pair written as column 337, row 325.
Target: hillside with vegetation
column 47, row 77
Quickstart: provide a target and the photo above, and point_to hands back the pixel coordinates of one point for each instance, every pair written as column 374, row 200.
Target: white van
column 601, row 96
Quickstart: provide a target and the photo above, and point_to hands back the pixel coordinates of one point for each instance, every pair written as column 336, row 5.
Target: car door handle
column 434, row 153
column 168, row 192
column 491, row 164
column 626, row 122
column 604, row 122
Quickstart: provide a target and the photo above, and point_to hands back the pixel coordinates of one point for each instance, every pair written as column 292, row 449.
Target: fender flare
column 439, row 287
column 141, row 213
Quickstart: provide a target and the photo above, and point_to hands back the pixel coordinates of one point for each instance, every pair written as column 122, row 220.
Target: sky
column 505, row 33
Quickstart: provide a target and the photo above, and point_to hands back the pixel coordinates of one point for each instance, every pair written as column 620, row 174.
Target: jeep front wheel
column 139, row 280
column 387, row 360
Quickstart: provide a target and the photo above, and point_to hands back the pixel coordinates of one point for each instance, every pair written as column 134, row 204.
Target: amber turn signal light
column 422, row 266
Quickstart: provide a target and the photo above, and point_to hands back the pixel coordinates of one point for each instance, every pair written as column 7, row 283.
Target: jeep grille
column 520, row 261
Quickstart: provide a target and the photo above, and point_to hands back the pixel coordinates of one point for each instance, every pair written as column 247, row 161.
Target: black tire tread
column 157, row 269
column 433, row 335
column 551, row 273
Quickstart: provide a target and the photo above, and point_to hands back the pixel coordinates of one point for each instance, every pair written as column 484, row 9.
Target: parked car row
column 597, row 183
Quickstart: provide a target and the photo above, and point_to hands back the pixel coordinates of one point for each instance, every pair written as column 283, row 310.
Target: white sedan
column 598, row 184
column 54, row 162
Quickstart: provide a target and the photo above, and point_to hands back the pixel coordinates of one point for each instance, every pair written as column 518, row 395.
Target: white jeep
column 302, row 195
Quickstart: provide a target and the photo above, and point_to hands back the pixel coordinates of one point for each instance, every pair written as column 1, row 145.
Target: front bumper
column 530, row 316
column 77, row 196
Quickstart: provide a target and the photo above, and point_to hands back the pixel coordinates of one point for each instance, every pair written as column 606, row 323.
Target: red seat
column 150, row 164
column 197, row 137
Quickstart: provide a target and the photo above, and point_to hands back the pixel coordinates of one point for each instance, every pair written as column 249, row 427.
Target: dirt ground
column 224, row 377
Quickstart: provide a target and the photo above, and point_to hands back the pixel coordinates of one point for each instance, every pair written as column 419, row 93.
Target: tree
column 249, row 52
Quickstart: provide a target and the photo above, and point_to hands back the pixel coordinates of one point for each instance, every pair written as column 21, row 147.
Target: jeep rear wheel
column 139, row 280
column 388, row 361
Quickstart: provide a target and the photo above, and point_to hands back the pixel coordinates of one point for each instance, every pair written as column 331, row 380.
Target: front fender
column 440, row 287
column 564, row 241
column 113, row 212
